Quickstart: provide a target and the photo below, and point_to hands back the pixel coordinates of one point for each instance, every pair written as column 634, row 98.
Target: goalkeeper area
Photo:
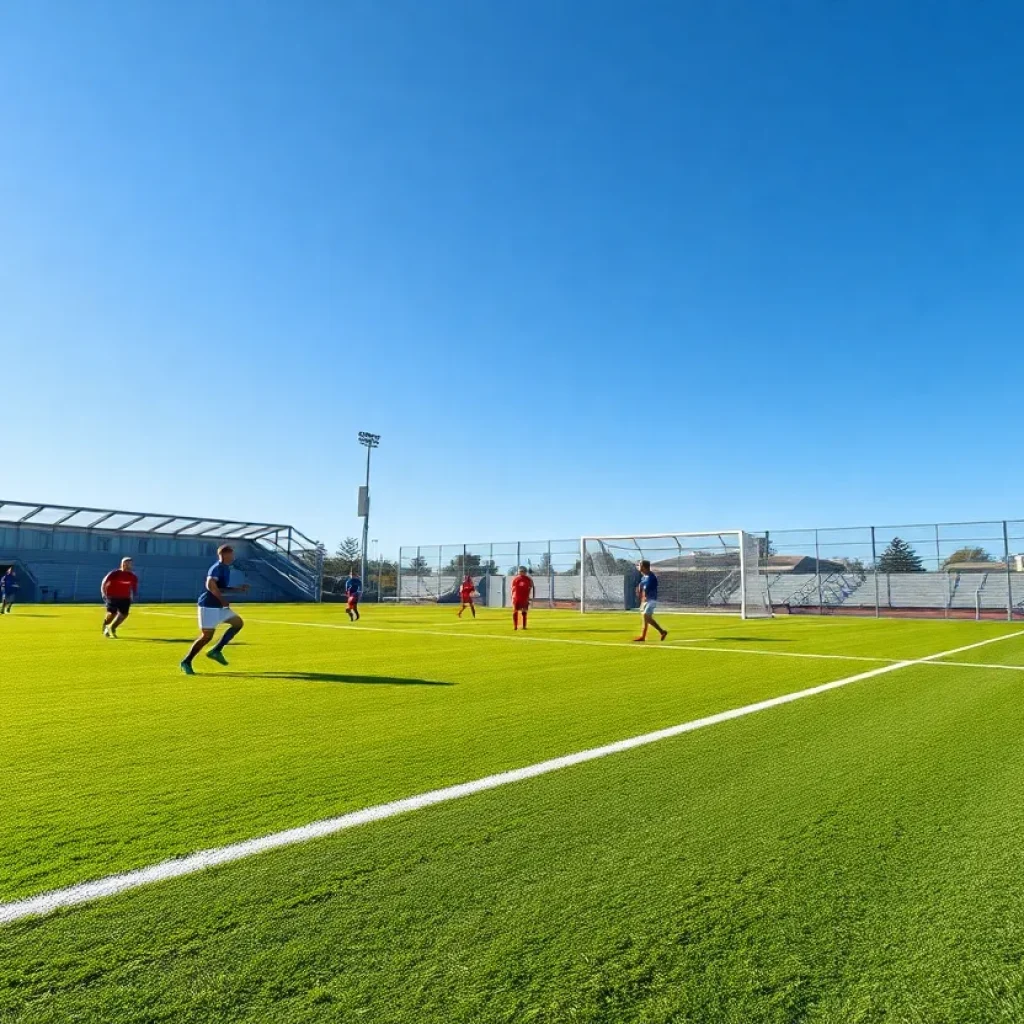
column 697, row 572
column 421, row 818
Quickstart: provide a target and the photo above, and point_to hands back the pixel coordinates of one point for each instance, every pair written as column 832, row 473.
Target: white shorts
column 211, row 618
column 648, row 607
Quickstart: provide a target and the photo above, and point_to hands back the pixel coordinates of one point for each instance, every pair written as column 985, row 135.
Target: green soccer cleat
column 217, row 656
column 187, row 668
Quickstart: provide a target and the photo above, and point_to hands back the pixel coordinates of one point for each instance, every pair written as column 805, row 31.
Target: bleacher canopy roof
column 28, row 513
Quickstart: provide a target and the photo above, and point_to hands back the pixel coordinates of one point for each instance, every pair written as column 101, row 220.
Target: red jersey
column 521, row 587
column 466, row 590
column 121, row 584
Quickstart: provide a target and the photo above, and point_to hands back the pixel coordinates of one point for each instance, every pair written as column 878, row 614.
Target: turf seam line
column 87, row 892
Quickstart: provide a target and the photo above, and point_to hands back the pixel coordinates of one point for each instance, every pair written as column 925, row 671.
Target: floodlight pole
column 369, row 441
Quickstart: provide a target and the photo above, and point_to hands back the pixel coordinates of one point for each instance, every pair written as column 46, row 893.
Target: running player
column 215, row 609
column 647, row 592
column 8, row 584
column 118, row 588
column 522, row 591
column 354, row 589
column 466, row 592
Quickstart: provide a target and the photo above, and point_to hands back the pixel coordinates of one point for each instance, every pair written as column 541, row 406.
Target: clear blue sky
column 587, row 267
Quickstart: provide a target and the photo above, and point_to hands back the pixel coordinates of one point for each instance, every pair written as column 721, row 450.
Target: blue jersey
column 353, row 586
column 649, row 587
column 221, row 575
column 7, row 582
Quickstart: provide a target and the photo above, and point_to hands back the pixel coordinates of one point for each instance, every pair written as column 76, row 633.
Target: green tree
column 542, row 567
column 418, row 566
column 899, row 556
column 341, row 562
column 968, row 554
column 853, row 564
column 350, row 550
column 469, row 563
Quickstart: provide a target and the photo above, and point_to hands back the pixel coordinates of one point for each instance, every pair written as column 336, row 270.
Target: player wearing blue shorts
column 215, row 609
column 8, row 584
column 647, row 591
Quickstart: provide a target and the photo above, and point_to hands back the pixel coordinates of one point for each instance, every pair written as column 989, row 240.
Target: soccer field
column 852, row 854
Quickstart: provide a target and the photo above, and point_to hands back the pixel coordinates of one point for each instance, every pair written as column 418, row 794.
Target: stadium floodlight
column 717, row 571
column 369, row 441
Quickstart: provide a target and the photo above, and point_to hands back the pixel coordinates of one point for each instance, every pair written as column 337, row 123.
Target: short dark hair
column 224, row 549
column 645, row 566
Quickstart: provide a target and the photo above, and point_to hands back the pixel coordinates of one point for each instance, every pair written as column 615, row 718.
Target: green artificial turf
column 854, row 856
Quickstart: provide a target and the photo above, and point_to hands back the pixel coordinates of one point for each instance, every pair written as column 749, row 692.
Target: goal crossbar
column 721, row 575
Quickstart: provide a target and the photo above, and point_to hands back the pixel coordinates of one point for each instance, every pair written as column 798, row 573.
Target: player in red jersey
column 522, row 591
column 118, row 588
column 466, row 592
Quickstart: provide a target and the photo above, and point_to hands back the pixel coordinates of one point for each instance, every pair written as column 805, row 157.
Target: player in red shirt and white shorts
column 118, row 588
column 522, row 591
column 466, row 591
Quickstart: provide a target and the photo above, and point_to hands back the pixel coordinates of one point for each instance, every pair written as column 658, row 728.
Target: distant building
column 701, row 561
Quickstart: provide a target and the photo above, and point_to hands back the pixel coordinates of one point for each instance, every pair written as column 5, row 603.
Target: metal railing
column 913, row 570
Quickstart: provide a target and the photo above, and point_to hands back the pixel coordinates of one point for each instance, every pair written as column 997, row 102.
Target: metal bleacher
column 61, row 553
column 929, row 593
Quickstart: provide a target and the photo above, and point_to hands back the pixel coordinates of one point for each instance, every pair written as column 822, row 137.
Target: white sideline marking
column 87, row 892
column 977, row 664
column 520, row 638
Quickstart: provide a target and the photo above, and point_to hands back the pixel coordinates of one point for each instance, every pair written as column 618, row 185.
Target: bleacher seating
column 66, row 576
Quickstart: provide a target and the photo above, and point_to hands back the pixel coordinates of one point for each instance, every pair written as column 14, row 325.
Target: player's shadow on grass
column 754, row 639
column 339, row 677
column 169, row 640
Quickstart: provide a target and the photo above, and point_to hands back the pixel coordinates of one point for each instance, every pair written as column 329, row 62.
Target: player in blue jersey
column 8, row 584
column 354, row 590
column 215, row 609
column 647, row 592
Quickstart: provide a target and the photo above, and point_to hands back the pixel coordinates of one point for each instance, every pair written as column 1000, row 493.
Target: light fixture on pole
column 369, row 441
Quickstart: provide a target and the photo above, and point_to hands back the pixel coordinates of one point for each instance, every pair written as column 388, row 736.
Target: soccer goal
column 697, row 572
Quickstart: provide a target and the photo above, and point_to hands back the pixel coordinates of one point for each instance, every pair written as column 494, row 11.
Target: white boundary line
column 621, row 645
column 977, row 664
column 87, row 892
column 519, row 638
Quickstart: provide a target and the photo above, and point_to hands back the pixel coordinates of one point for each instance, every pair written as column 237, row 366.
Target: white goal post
column 709, row 572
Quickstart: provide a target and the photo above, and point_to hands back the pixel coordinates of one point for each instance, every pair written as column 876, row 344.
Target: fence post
column 440, row 553
column 519, row 554
column 946, row 595
column 583, row 575
column 874, row 567
column 1009, row 578
column 398, row 578
column 817, row 571
column 551, row 576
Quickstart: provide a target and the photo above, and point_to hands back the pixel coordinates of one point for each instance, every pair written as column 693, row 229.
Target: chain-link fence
column 938, row 570
column 433, row 573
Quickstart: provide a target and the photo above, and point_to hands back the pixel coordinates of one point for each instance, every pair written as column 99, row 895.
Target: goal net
column 697, row 572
